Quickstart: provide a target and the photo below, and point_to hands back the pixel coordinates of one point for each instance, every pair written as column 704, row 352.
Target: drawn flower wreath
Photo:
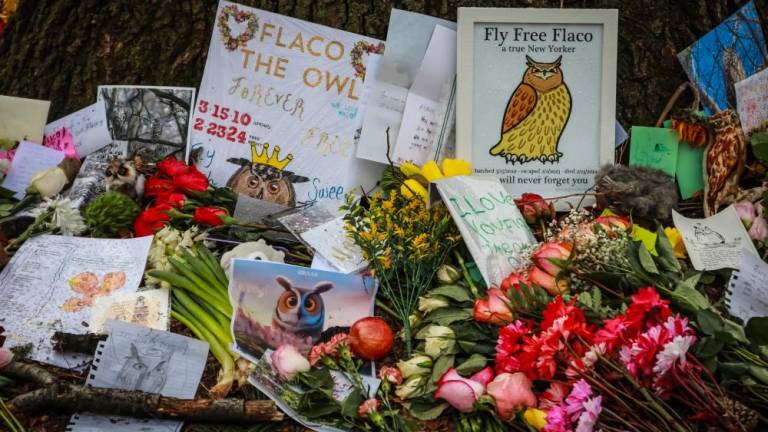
column 233, row 43
column 363, row 47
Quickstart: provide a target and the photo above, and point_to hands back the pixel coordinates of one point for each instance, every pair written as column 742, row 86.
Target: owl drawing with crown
column 536, row 115
column 265, row 177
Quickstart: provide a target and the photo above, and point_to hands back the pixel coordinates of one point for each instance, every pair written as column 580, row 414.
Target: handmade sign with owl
column 536, row 114
column 299, row 310
column 265, row 177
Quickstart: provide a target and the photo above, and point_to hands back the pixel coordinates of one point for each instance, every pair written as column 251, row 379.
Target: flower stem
column 465, row 272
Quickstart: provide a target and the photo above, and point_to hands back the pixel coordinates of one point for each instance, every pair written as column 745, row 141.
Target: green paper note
column 689, row 172
column 654, row 147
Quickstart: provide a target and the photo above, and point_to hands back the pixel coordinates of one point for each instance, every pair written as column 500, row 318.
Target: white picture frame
column 583, row 61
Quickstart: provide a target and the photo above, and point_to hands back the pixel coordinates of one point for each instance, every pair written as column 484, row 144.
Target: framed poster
column 280, row 107
column 537, row 97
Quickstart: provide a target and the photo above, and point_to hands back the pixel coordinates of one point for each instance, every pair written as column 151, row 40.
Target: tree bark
column 61, row 50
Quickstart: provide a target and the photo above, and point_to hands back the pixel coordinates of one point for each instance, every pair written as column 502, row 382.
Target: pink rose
column 6, row 356
column 550, row 283
column 746, row 211
column 461, row 393
column 493, row 310
column 553, row 249
column 512, row 391
column 759, row 229
column 288, row 362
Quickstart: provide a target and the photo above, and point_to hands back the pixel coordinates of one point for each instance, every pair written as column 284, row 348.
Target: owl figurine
column 122, row 176
column 536, row 115
column 300, row 311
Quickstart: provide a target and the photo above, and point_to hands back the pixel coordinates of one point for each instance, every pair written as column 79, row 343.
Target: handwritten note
column 88, row 128
column 752, row 100
column 330, row 240
column 61, row 140
column 408, row 37
column 51, row 284
column 22, row 119
column 654, row 147
column 432, row 90
column 748, row 294
column 30, row 159
column 715, row 242
column 489, row 221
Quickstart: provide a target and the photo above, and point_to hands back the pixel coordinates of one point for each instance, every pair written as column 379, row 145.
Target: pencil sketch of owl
column 133, row 371
column 121, row 175
column 536, row 115
column 299, row 310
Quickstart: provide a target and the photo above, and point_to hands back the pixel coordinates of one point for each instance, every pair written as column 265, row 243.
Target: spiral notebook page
column 748, row 294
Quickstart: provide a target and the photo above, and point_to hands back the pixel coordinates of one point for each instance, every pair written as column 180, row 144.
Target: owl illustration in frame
column 536, row 115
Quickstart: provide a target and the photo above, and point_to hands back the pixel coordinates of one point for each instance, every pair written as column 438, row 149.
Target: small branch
column 29, row 372
column 71, row 398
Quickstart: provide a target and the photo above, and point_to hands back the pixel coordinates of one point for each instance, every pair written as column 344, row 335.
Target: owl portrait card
column 536, row 97
column 276, row 304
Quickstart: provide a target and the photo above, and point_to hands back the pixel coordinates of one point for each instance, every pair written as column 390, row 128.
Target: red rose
column 156, row 186
column 192, row 180
column 151, row 220
column 213, row 216
column 173, row 199
column 172, row 167
column 534, row 208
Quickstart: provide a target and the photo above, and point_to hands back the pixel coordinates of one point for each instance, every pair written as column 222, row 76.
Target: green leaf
column 708, row 347
column 317, row 411
column 319, row 378
column 426, row 411
column 474, row 347
column 445, row 316
column 687, row 295
column 757, row 330
column 733, row 369
column 351, row 403
column 454, row 292
column 759, row 372
column 473, row 364
column 759, row 143
column 735, row 330
column 442, row 364
column 646, row 260
column 709, row 322
column 666, row 253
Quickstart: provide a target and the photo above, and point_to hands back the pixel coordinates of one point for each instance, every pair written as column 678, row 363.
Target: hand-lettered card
column 490, row 223
column 278, row 303
column 87, row 128
column 279, row 106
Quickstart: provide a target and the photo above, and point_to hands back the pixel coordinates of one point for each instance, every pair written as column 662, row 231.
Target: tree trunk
column 60, row 50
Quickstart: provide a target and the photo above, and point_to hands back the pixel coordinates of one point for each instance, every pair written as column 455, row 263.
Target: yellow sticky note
column 22, row 119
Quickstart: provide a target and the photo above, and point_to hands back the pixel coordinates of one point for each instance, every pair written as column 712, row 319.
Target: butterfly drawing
column 87, row 286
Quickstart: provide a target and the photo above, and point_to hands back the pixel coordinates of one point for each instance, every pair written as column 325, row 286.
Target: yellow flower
column 420, row 241
column 456, row 167
column 677, row 241
column 536, row 418
column 385, row 262
column 410, row 170
column 413, row 188
column 431, row 171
